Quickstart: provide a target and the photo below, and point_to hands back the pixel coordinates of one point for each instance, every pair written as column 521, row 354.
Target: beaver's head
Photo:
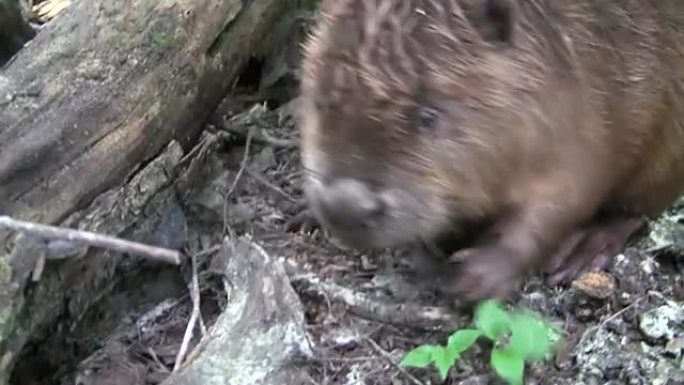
column 411, row 114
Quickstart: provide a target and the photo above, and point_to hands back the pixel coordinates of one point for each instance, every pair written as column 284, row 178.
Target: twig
column 259, row 249
column 261, row 137
column 194, row 295
column 243, row 165
column 92, row 239
column 39, row 267
column 389, row 358
column 207, row 251
column 157, row 361
column 259, row 178
column 597, row 328
column 619, row 313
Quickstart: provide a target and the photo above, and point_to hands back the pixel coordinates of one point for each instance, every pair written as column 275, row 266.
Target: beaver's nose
column 349, row 203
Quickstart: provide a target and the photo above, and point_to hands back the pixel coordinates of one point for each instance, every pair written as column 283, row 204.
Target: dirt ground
column 625, row 326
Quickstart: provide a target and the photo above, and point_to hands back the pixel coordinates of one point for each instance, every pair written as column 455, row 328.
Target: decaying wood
column 107, row 84
column 261, row 336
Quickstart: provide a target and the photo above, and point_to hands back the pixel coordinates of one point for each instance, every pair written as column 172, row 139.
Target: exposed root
column 363, row 305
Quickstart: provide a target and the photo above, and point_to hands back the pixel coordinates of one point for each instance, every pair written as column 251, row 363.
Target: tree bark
column 14, row 29
column 107, row 84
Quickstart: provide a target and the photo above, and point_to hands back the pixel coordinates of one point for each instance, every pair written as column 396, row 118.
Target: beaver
column 558, row 123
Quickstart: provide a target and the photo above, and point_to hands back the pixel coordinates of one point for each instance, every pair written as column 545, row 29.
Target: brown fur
column 562, row 110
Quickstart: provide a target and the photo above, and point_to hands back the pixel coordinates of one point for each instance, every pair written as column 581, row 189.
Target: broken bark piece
column 260, row 335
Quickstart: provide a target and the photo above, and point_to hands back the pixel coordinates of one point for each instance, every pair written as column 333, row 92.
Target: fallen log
column 105, row 85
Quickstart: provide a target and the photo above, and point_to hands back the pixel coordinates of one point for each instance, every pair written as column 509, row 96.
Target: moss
column 6, row 322
column 160, row 35
column 310, row 5
column 160, row 41
column 5, row 270
column 6, row 294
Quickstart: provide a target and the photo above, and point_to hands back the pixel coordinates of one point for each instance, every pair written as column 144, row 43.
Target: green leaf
column 529, row 337
column 461, row 340
column 420, row 357
column 492, row 319
column 443, row 362
column 508, row 365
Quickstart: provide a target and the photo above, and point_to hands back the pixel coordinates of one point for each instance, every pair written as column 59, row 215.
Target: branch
column 92, row 239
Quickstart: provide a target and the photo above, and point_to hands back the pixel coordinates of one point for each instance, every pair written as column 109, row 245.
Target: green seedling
column 518, row 337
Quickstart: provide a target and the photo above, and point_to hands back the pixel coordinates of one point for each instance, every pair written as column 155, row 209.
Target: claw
column 482, row 273
column 591, row 248
column 303, row 221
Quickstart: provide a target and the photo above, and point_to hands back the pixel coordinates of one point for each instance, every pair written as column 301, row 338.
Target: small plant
column 518, row 338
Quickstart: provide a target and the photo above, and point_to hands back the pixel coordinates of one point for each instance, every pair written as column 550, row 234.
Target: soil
column 624, row 326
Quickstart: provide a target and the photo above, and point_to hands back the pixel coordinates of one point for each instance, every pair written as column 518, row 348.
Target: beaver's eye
column 427, row 117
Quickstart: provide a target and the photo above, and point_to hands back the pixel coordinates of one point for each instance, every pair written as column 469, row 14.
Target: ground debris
column 261, row 332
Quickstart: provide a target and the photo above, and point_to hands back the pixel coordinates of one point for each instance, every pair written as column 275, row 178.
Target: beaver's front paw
column 482, row 273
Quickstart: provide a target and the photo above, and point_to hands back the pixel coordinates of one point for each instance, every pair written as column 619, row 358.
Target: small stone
column 612, row 367
column 675, row 346
column 341, row 340
column 367, row 264
column 661, row 322
column 648, row 266
column 595, row 284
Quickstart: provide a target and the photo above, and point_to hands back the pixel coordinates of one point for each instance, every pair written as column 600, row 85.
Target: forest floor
column 623, row 326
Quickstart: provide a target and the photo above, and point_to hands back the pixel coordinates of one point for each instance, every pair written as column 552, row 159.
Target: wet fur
column 548, row 116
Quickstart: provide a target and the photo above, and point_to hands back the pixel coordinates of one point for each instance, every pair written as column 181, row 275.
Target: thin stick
column 92, row 239
column 262, row 137
column 157, row 361
column 194, row 295
column 596, row 328
column 259, row 178
column 389, row 358
column 243, row 165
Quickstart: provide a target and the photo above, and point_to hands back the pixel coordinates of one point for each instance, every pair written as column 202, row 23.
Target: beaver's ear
column 493, row 19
